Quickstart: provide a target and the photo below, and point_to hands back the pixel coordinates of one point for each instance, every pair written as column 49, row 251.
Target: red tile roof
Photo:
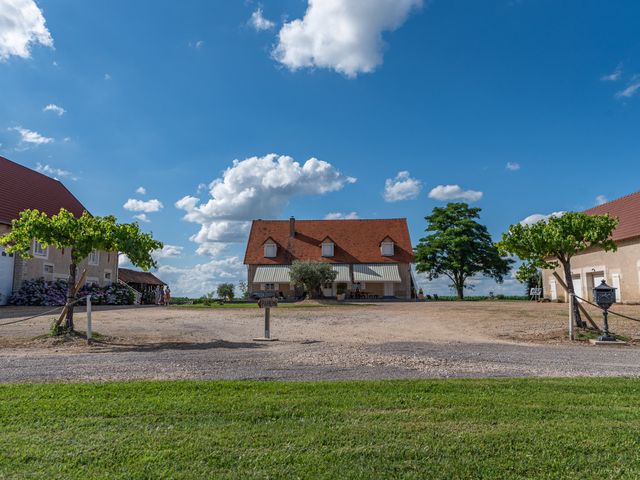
column 627, row 209
column 355, row 241
column 22, row 188
column 134, row 276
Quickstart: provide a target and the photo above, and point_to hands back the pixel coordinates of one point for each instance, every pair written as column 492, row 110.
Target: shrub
column 41, row 292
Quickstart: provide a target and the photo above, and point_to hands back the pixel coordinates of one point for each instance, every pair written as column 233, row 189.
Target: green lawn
column 580, row 428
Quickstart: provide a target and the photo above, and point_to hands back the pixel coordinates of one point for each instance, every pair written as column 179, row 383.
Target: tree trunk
column 73, row 268
column 460, row 291
column 568, row 278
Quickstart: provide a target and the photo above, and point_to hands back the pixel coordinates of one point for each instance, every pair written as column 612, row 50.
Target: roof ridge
column 24, row 167
column 613, row 201
column 331, row 219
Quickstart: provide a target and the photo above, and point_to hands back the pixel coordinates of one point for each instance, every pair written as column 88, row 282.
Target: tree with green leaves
column 551, row 243
column 312, row 275
column 79, row 236
column 226, row 291
column 458, row 246
column 244, row 290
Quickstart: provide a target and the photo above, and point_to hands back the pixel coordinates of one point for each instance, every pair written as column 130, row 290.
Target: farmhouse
column 372, row 257
column 620, row 269
column 22, row 188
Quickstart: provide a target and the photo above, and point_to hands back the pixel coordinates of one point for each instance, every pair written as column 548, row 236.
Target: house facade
column 372, row 258
column 20, row 189
column 620, row 269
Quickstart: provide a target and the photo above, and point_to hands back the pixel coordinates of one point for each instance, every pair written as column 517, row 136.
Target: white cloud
column 52, row 107
column 107, row 76
column 341, row 216
column 512, row 166
column 197, row 45
column 22, row 25
column 30, row 137
column 142, row 217
column 614, row 76
column 454, row 192
column 258, row 187
column 402, row 187
column 168, row 251
column 141, row 190
column 203, row 278
column 148, row 206
column 56, row 173
column 259, row 22
column 631, row 89
column 601, row 199
column 539, row 217
column 345, row 36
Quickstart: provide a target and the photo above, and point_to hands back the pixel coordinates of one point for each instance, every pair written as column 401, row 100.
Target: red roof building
column 620, row 269
column 372, row 257
column 22, row 188
column 627, row 210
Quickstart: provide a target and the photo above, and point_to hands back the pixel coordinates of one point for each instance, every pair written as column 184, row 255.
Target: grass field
column 572, row 428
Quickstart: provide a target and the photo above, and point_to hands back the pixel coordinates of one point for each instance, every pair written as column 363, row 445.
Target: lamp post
column 605, row 296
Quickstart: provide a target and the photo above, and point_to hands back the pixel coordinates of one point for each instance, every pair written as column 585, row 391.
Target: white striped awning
column 343, row 273
column 272, row 274
column 376, row 272
column 281, row 273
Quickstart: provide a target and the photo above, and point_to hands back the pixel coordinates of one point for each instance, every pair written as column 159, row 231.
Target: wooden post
column 89, row 320
column 267, row 320
column 267, row 304
column 583, row 311
column 571, row 316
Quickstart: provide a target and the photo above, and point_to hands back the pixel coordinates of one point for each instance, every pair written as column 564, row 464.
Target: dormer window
column 387, row 248
column 327, row 249
column 270, row 250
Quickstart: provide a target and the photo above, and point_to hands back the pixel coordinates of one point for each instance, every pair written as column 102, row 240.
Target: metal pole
column 572, row 299
column 89, row 319
column 267, row 318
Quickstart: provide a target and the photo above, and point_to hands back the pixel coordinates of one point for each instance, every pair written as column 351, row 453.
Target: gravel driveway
column 329, row 343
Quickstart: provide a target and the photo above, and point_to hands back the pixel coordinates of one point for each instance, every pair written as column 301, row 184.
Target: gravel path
column 376, row 342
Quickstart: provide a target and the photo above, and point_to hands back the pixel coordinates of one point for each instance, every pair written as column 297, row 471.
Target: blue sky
column 522, row 107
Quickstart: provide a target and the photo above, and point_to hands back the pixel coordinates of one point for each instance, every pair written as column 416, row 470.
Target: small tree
column 226, row 291
column 459, row 247
column 244, row 290
column 80, row 236
column 312, row 275
column 552, row 243
column 534, row 281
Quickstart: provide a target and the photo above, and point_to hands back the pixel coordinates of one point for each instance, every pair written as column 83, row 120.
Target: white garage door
column 6, row 275
column 577, row 285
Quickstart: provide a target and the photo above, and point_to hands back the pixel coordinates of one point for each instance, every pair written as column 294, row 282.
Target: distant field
column 578, row 428
column 255, row 305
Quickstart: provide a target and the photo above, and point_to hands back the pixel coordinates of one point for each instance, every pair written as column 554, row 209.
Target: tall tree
column 554, row 242
column 459, row 247
column 79, row 236
column 226, row 291
column 312, row 275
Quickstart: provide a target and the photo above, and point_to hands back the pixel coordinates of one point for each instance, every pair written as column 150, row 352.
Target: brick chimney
column 292, row 227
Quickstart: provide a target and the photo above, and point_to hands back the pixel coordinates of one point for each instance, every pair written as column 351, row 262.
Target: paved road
column 315, row 361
